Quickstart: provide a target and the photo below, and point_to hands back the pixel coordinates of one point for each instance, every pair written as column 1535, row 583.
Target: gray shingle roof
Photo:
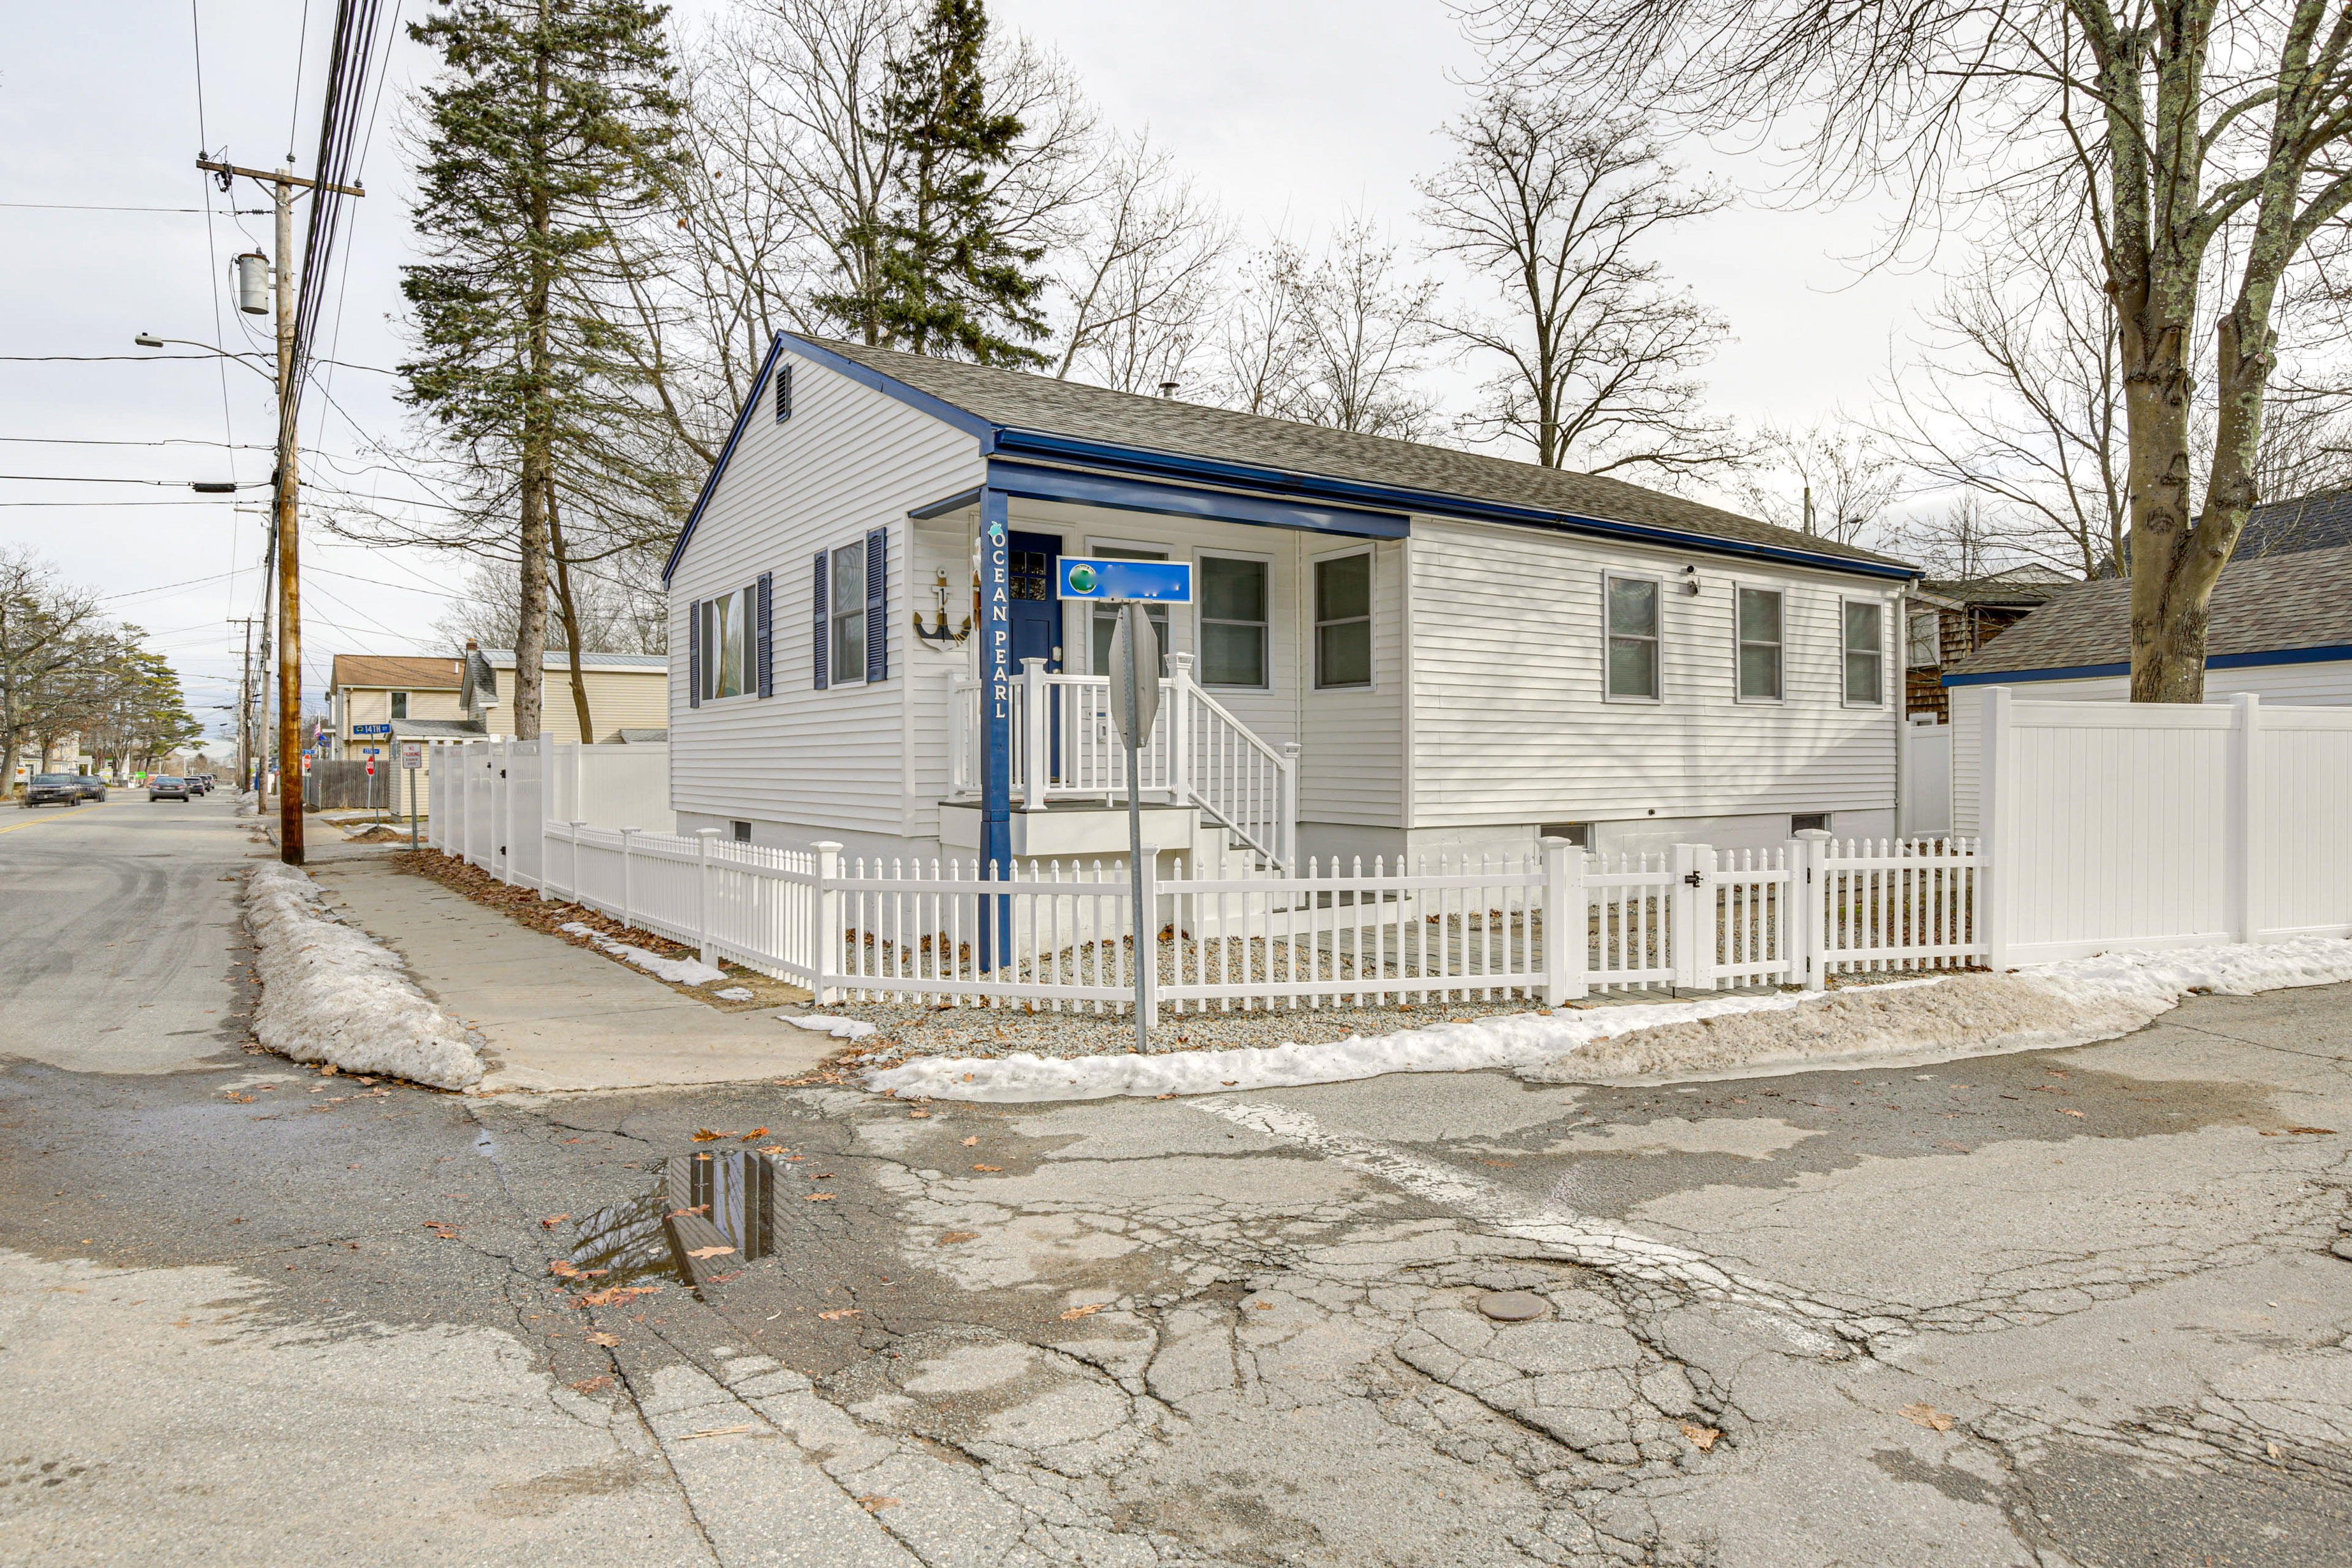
column 1991, row 590
column 2294, row 600
column 2307, row 523
column 1009, row 399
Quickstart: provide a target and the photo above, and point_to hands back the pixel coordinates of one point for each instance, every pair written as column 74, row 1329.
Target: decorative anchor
column 939, row 635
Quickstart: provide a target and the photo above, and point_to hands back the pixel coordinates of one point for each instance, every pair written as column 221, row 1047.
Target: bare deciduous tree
column 2190, row 133
column 1144, row 278
column 1550, row 201
column 1341, row 342
column 1834, row 480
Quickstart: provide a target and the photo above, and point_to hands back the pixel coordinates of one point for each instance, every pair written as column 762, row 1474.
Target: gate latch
column 1694, row 879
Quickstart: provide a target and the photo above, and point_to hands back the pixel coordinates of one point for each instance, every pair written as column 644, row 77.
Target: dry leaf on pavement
column 711, row 1252
column 821, row 1198
column 705, row 1135
column 950, row 1238
column 618, row 1295
column 2063, row 1111
column 988, row 1167
column 840, row 1312
column 1701, row 1438
column 1087, row 1311
column 876, row 1504
column 755, row 1132
column 917, row 1115
column 607, row 1340
column 1926, row 1415
column 717, row 1432
column 971, row 1142
column 594, row 1384
column 551, row 1221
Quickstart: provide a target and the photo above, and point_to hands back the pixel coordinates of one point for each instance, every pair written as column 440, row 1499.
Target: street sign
column 370, row 751
column 371, row 765
column 412, row 753
column 1151, row 581
column 371, row 729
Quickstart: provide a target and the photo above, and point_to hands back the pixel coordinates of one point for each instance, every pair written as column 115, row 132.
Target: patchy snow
column 734, row 994
column 331, row 992
column 677, row 971
column 850, row 1029
column 249, row 805
column 2067, row 1003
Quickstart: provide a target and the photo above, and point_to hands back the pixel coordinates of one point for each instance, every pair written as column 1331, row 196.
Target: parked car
column 168, row 789
column 59, row 789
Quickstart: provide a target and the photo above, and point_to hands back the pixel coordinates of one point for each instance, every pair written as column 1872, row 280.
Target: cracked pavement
column 2075, row 1307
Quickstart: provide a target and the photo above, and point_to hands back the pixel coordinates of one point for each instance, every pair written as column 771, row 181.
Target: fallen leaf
column 1263, row 1306
column 605, row 1339
column 241, row 1099
column 970, row 1142
column 1701, row 1438
column 917, row 1115
column 773, row 1149
column 2063, row 1111
column 755, row 1132
column 821, row 1198
column 717, row 1432
column 551, row 1221
column 840, row 1312
column 618, row 1295
column 705, row 1135
column 790, row 1158
column 950, row 1238
column 565, row 1268
column 1926, row 1415
column 988, row 1167
column 594, row 1384
column 2315, row 1132
column 2273, row 1449
column 874, row 1504
column 1227, row 1083
column 445, row 1231
column 711, row 1252
column 1084, row 1312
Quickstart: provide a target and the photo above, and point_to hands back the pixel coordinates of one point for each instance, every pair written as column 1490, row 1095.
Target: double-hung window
column 1633, row 611
column 1759, row 644
column 1232, row 621
column 400, row 704
column 724, row 638
column 1865, row 651
column 846, row 655
column 1343, row 620
column 1925, row 633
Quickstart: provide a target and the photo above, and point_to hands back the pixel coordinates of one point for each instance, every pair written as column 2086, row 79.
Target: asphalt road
column 2058, row 1307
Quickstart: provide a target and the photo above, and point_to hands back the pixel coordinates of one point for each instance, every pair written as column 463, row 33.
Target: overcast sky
column 1291, row 114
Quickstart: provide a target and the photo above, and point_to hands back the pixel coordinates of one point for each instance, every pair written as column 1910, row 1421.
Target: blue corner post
column 996, row 726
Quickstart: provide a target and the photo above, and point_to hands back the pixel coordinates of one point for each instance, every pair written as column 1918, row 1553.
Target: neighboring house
column 1467, row 652
column 2321, row 521
column 628, row 694
column 2281, row 627
column 1952, row 617
column 416, row 695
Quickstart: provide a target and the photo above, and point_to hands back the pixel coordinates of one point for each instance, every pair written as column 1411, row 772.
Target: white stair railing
column 1199, row 754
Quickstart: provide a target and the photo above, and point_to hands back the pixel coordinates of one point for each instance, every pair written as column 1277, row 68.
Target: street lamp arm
column 243, row 357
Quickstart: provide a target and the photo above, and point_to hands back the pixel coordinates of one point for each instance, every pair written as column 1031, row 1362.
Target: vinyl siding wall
column 1510, row 724
column 617, row 700
column 2301, row 685
column 849, row 459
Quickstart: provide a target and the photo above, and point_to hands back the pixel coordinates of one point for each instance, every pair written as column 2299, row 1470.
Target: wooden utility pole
column 283, row 183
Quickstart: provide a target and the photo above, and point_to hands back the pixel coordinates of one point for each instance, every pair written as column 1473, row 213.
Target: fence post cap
column 706, row 833
column 1815, row 834
column 578, row 821
column 1290, row 749
column 633, row 831
column 820, row 844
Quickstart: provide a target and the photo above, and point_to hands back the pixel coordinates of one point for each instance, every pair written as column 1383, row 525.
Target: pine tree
column 551, row 128
column 947, row 280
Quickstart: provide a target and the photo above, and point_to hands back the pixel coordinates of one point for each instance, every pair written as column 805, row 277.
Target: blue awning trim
column 1033, row 481
column 961, row 502
column 2332, row 654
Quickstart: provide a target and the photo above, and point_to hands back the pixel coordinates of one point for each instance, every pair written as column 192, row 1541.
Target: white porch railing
column 1199, row 754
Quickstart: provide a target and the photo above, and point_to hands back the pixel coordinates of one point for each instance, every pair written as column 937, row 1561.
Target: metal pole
column 1147, row 945
column 412, row 773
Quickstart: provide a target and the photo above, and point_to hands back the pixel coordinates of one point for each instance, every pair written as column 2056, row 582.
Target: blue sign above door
column 1151, row 581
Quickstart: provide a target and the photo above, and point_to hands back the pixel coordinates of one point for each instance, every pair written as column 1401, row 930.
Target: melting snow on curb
column 331, row 992
column 2066, row 1004
column 677, row 971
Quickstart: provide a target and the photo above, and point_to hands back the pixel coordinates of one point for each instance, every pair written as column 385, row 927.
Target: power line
column 92, row 441
column 85, row 479
column 86, row 208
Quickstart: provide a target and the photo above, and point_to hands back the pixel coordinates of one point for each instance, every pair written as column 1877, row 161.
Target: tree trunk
column 538, row 438
column 571, row 614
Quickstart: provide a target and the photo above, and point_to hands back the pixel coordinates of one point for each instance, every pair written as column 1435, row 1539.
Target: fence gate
column 1739, row 918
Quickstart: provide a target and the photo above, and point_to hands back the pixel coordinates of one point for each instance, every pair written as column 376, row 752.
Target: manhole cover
column 1511, row 1306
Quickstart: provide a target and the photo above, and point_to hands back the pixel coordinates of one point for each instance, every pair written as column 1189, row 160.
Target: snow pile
column 331, row 992
column 734, row 994
column 845, row 1029
column 677, row 971
column 249, row 805
column 2068, row 1004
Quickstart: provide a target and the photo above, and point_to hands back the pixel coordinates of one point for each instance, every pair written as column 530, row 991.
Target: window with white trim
column 400, row 704
column 1864, row 652
column 1925, row 640
column 1343, row 621
column 724, row 638
column 1759, row 644
column 1232, row 621
column 1633, row 656
column 845, row 656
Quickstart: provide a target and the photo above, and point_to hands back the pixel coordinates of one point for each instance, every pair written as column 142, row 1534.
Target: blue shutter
column 693, row 654
column 877, row 593
column 823, row 560
column 767, row 631
column 783, row 392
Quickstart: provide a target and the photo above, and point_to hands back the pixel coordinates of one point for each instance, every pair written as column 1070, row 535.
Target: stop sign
column 371, row 767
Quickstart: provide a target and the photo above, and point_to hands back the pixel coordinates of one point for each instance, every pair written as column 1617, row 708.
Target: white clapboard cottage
column 1394, row 648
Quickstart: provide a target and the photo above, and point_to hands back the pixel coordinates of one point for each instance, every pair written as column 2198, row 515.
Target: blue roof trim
column 960, row 502
column 1034, row 482
column 711, row 485
column 2332, row 654
column 1350, row 492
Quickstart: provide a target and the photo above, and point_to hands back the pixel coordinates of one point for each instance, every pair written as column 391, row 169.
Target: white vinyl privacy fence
column 1236, row 934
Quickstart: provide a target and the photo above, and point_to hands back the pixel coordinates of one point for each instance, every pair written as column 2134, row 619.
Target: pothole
column 704, row 1218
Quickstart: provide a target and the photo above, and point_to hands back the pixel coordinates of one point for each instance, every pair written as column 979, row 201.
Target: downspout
column 1902, row 706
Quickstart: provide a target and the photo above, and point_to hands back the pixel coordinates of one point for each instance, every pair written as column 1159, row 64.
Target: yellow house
column 628, row 695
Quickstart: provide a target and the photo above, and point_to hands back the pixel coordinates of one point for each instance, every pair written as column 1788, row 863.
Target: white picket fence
column 1063, row 935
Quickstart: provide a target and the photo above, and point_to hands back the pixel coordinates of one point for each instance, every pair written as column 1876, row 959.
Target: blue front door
column 1036, row 614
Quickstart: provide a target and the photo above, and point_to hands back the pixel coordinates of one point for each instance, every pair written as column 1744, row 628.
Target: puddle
column 724, row 1201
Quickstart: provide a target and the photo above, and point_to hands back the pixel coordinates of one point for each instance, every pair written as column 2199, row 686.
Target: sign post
column 1134, row 709
column 412, row 757
column 996, row 725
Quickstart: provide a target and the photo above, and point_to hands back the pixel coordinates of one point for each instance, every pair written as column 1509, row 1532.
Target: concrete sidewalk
column 555, row 1016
